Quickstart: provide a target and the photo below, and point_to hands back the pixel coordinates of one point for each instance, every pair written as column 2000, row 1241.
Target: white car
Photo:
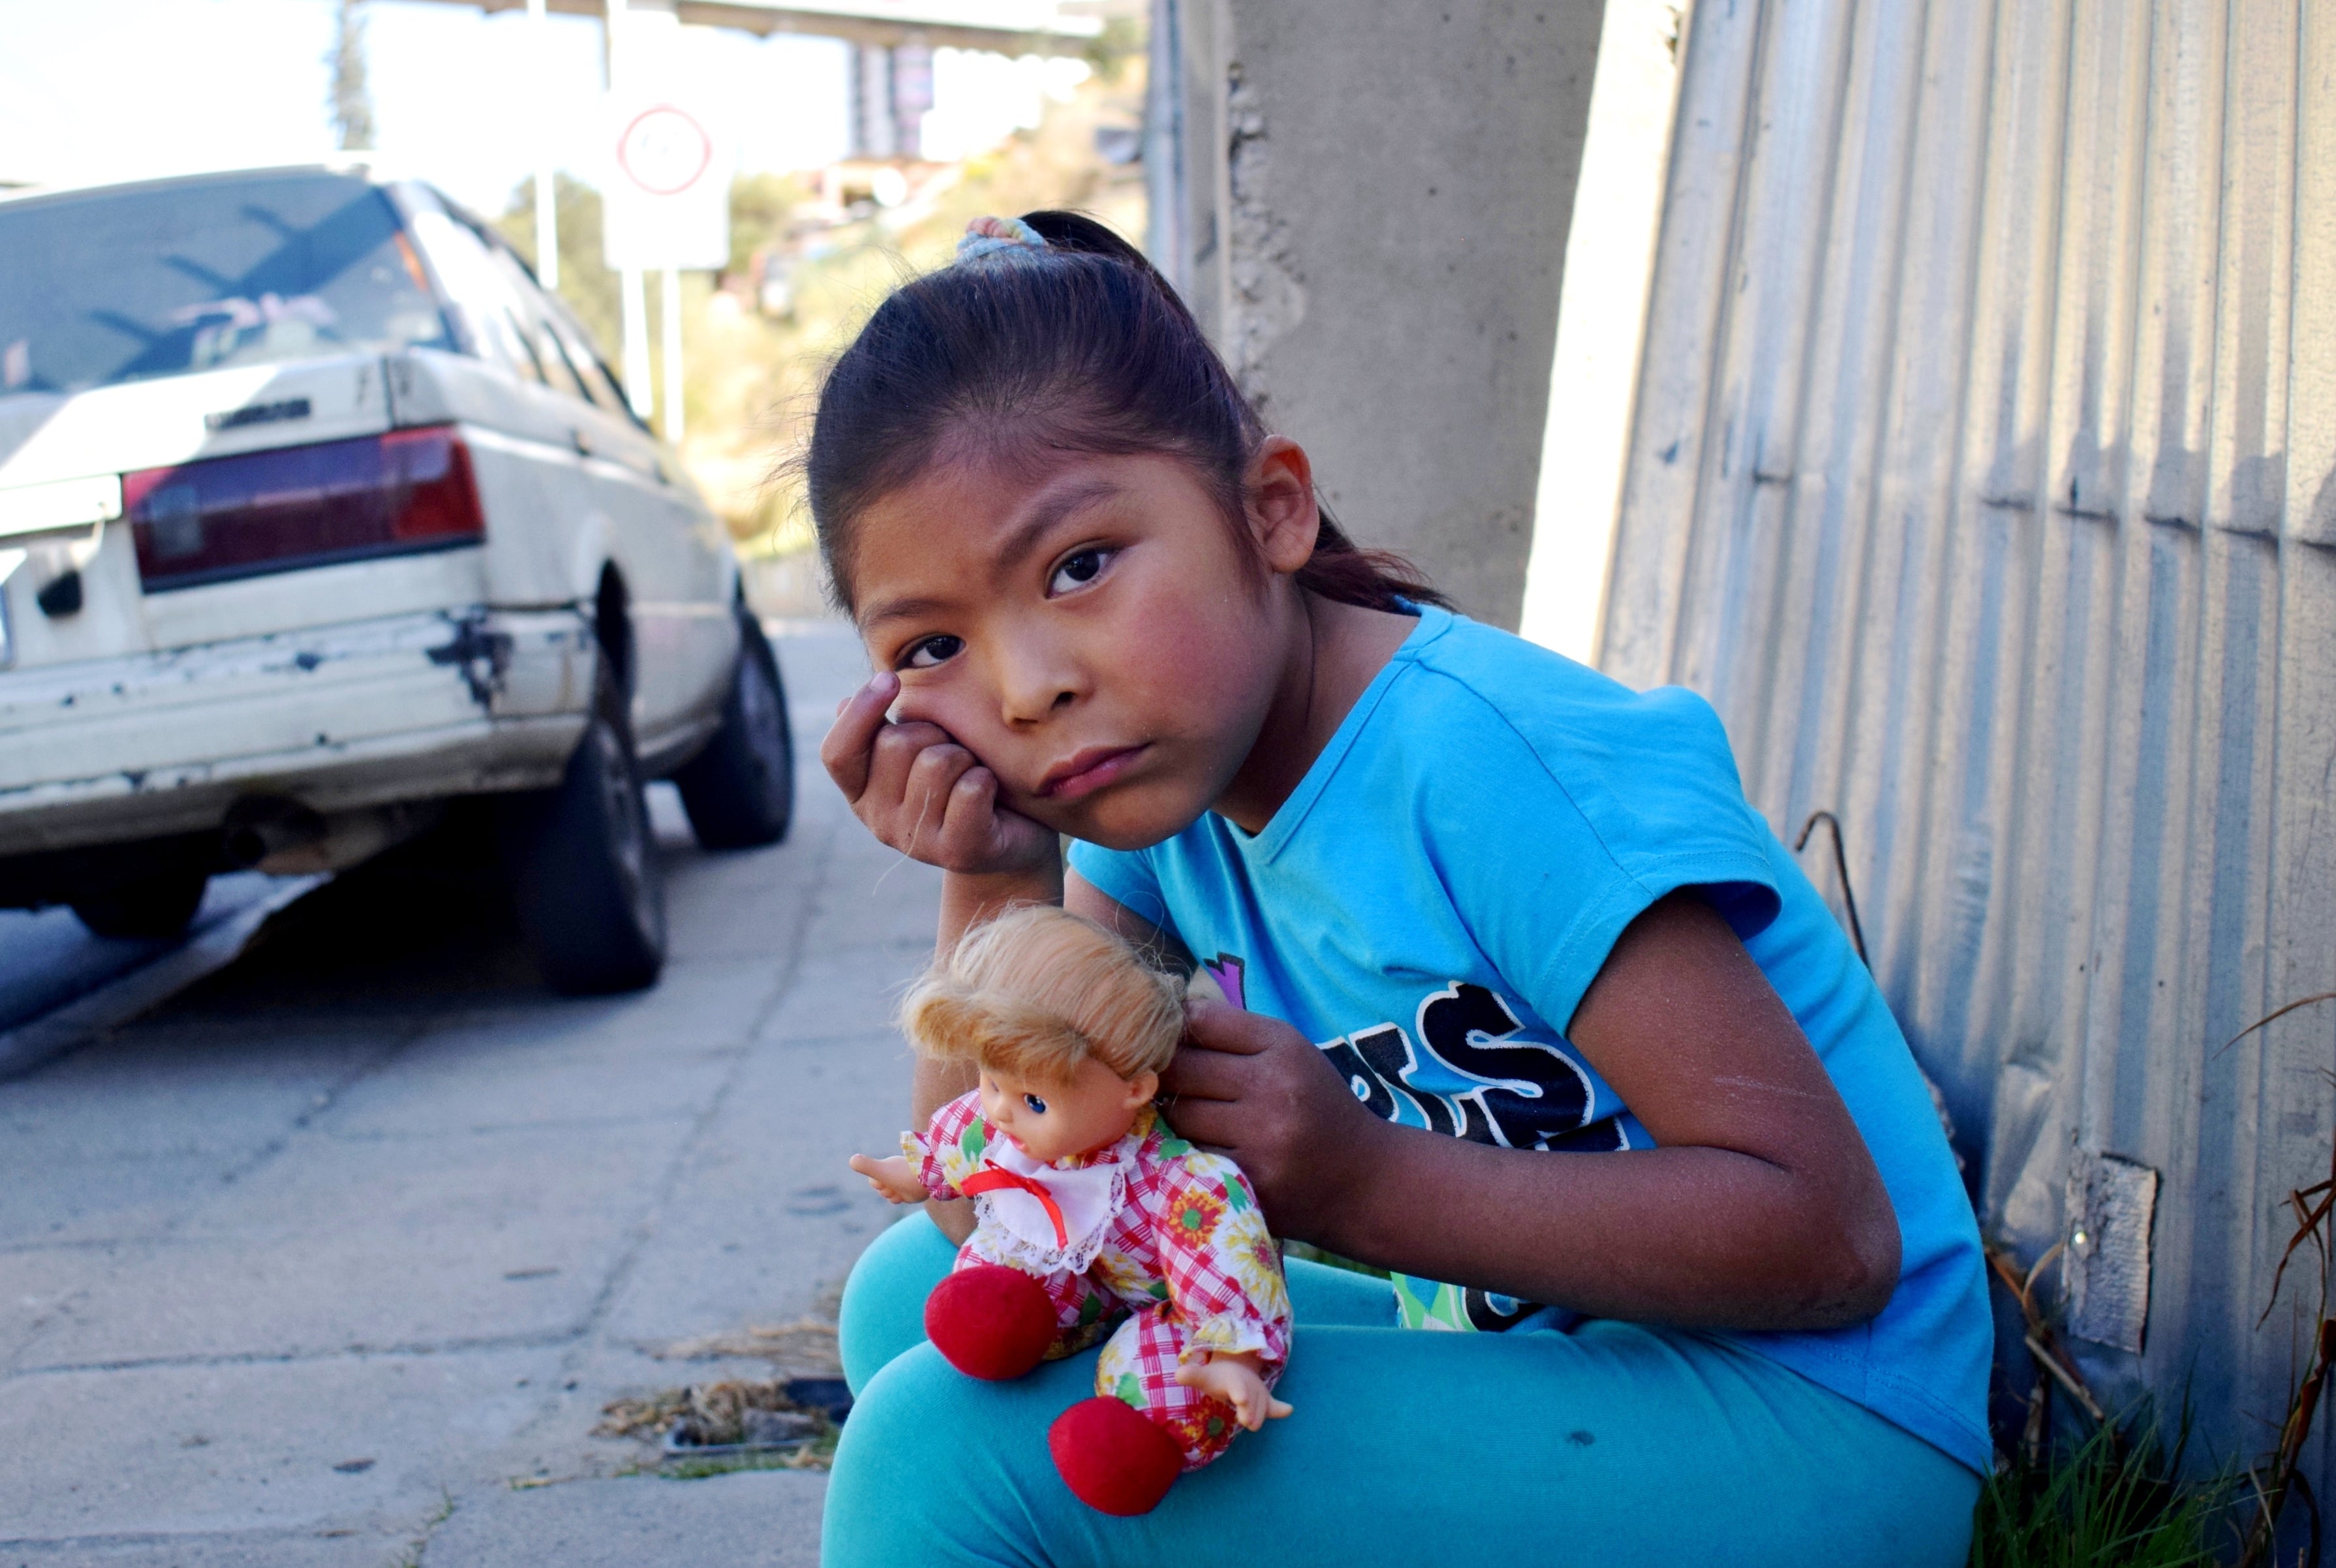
column 317, row 514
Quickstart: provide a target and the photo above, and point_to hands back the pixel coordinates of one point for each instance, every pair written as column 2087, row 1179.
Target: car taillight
column 301, row 506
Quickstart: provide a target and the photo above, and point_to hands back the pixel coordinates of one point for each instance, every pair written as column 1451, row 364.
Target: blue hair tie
column 996, row 236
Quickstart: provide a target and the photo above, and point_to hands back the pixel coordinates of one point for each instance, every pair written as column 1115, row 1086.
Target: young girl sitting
column 1525, row 1005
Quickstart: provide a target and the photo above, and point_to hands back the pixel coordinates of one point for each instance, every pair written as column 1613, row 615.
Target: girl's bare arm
column 925, row 795
column 1761, row 1208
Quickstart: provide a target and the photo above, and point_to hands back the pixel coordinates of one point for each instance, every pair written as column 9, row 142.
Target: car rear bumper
column 336, row 717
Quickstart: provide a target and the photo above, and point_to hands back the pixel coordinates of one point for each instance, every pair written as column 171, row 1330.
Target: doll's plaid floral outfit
column 1149, row 1227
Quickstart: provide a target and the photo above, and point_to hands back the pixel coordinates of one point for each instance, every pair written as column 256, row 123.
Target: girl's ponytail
column 1077, row 234
column 1076, row 345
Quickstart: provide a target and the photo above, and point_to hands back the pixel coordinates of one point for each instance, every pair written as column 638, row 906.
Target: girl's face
column 1098, row 638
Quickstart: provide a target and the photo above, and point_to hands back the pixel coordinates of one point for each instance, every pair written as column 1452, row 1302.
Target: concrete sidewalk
column 313, row 1265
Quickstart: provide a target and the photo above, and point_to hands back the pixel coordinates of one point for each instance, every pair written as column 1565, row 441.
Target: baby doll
column 1087, row 1207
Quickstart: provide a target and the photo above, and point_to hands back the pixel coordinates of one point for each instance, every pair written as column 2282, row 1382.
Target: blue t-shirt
column 1433, row 900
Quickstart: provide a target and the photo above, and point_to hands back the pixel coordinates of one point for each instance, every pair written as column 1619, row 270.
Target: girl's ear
column 1143, row 1089
column 1282, row 515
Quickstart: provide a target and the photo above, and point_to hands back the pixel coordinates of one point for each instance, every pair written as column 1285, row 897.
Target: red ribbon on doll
column 992, row 1179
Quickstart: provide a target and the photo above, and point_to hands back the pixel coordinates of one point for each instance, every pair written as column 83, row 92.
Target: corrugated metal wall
column 1984, row 475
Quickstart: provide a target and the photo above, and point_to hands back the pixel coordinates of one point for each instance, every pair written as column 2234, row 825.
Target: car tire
column 740, row 791
column 589, row 891
column 156, row 906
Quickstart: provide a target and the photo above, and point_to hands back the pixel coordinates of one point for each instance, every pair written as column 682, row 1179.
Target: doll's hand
column 1235, row 1378
column 920, row 791
column 891, row 1177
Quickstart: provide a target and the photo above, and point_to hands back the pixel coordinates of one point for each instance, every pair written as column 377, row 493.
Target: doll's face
column 1052, row 1121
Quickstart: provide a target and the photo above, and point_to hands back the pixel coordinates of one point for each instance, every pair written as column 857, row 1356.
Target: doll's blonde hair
column 1038, row 990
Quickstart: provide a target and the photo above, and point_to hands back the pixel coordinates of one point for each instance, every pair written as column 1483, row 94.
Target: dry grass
column 713, row 1413
column 803, row 1349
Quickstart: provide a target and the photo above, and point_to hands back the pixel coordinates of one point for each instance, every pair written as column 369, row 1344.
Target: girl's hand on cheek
column 1254, row 1089
column 925, row 795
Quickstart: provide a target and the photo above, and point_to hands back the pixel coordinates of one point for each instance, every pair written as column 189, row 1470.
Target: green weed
column 2109, row 1502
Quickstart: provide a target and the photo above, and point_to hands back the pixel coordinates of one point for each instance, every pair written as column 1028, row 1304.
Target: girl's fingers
column 982, row 833
column 885, row 803
column 921, row 791
column 1212, row 1127
column 931, row 786
column 845, row 751
column 972, row 808
column 1220, row 1026
column 973, row 802
column 1201, row 1074
column 1275, row 1410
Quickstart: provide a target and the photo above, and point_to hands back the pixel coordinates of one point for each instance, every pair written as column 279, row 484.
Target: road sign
column 665, row 195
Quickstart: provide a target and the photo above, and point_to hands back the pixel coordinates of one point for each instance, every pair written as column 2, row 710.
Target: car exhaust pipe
column 285, row 839
column 259, row 826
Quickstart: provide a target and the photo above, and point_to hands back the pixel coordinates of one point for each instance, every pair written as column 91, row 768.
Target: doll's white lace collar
column 1023, row 1224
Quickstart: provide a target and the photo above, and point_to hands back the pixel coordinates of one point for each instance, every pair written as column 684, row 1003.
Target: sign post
column 669, row 313
column 633, row 304
column 666, row 206
column 547, row 210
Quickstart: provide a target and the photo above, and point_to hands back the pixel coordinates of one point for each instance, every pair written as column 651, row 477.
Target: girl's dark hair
column 1079, row 347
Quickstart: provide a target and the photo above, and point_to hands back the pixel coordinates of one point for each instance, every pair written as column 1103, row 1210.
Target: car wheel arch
column 612, row 628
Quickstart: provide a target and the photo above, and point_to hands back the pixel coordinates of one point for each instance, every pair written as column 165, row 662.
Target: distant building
column 891, row 89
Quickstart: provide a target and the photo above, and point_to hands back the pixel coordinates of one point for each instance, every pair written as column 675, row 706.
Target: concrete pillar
column 1367, row 206
column 875, row 129
column 912, row 95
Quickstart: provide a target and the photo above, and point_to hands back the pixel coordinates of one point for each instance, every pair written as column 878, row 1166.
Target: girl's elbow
column 1878, row 1263
column 1860, row 1272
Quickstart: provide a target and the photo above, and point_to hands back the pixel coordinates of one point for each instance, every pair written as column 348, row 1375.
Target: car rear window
column 123, row 284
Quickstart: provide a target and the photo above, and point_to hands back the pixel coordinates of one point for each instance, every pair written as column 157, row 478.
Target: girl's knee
column 935, row 1467
column 883, row 1309
column 892, row 1491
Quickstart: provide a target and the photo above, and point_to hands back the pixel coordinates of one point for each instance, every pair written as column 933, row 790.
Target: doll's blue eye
column 1038, row 1106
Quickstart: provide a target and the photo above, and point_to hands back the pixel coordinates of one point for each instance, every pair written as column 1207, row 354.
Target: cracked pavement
column 312, row 1264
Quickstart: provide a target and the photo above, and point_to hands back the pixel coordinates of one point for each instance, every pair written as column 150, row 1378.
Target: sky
column 107, row 89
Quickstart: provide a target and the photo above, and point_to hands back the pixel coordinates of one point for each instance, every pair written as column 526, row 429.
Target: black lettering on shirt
column 1532, row 1092
column 1527, row 1095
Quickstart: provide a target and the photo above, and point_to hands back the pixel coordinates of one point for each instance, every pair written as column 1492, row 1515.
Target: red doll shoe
column 990, row 1321
column 1113, row 1457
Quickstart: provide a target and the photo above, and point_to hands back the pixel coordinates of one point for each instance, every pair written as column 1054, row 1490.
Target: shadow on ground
column 338, row 1258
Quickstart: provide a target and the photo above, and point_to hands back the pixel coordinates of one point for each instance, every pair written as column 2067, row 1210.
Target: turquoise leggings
column 1613, row 1445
